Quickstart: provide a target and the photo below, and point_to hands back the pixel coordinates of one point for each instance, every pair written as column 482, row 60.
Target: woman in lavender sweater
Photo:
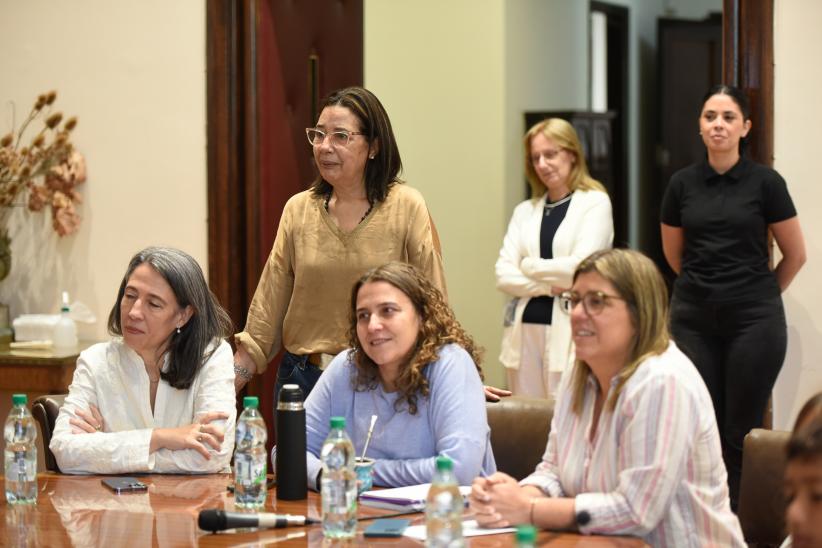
column 413, row 366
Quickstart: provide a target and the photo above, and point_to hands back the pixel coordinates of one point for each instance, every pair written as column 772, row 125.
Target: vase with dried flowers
column 41, row 172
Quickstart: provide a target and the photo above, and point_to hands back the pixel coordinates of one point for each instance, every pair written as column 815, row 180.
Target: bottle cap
column 526, row 534
column 337, row 422
column 251, row 401
column 444, row 464
column 291, row 393
column 19, row 399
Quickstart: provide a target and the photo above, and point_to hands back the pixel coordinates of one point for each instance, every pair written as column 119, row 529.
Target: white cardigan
column 587, row 227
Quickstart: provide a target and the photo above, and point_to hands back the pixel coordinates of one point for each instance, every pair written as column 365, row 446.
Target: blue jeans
column 295, row 369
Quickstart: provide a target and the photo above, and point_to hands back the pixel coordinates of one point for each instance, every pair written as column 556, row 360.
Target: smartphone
column 124, row 485
column 386, row 528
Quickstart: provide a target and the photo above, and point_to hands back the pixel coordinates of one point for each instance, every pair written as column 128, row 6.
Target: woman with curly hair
column 412, row 365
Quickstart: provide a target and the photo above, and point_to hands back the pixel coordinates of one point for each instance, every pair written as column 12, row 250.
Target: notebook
column 410, row 498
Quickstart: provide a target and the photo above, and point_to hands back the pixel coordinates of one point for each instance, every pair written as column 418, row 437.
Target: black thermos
column 291, row 473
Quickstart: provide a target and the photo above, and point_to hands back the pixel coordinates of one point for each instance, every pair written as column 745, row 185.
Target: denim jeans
column 295, row 369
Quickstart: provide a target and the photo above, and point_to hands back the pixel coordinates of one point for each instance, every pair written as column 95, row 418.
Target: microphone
column 218, row 520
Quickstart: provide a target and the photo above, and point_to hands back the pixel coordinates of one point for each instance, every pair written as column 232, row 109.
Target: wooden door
column 689, row 63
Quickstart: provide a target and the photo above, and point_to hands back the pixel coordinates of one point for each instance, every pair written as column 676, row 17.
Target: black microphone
column 218, row 520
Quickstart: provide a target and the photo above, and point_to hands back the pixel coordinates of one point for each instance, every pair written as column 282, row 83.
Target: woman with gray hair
column 159, row 397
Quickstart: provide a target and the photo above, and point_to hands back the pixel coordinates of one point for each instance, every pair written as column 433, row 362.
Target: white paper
column 469, row 529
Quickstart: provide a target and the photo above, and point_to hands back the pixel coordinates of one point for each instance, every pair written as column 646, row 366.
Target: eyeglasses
column 593, row 302
column 339, row 138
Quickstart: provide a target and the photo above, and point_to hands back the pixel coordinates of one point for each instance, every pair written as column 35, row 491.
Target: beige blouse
column 303, row 297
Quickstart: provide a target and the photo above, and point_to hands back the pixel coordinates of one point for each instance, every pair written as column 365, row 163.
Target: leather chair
column 761, row 499
column 519, row 433
column 45, row 410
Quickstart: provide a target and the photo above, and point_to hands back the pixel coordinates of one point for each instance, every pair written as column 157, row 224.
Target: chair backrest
column 761, row 499
column 519, row 433
column 45, row 410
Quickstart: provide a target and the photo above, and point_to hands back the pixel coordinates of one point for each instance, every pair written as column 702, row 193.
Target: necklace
column 367, row 211
column 549, row 206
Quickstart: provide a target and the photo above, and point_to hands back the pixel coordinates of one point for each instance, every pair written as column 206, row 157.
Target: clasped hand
column 499, row 501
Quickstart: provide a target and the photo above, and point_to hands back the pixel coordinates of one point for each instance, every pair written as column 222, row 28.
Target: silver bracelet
column 242, row 372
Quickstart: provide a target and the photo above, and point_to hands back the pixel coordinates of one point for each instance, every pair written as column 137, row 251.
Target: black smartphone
column 124, row 485
column 386, row 528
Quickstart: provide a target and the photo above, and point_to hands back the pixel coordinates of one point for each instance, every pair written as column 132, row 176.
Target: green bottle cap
column 526, row 534
column 251, row 401
column 444, row 463
column 19, row 399
column 337, row 422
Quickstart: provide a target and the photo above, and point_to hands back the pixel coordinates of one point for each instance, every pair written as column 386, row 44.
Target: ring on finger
column 199, row 438
column 201, row 427
column 98, row 427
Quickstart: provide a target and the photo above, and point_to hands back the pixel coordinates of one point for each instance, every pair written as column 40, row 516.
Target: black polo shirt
column 725, row 220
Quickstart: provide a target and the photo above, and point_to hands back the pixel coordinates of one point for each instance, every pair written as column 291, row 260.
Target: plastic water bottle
column 250, row 457
column 339, row 483
column 443, row 508
column 526, row 536
column 65, row 331
column 21, row 453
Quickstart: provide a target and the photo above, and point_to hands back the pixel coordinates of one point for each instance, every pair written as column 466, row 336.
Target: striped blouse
column 654, row 468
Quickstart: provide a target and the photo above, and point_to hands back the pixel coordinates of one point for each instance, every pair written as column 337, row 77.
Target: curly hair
column 438, row 327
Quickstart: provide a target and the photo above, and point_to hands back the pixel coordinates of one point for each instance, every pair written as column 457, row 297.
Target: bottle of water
column 21, row 453
column 526, row 536
column 443, row 508
column 65, row 331
column 339, row 483
column 250, row 457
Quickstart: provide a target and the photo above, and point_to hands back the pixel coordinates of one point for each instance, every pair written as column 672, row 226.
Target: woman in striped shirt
column 634, row 447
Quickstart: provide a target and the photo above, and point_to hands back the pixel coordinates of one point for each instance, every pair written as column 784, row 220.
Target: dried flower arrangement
column 43, row 173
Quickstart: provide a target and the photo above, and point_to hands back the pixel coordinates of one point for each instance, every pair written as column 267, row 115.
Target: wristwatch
column 242, row 372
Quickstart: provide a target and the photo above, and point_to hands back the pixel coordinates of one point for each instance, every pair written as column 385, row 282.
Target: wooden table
column 79, row 511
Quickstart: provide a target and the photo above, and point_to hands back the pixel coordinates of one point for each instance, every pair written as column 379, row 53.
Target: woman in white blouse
column 567, row 218
column 160, row 396
column 634, row 447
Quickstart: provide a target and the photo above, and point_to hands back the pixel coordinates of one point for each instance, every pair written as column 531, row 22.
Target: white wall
column 439, row 74
column 134, row 75
column 797, row 141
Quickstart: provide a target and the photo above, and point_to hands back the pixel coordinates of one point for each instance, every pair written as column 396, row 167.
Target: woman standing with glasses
column 726, row 311
column 633, row 448
column 355, row 216
column 567, row 218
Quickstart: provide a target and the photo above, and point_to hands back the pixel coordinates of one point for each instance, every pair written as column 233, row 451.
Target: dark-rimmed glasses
column 339, row 138
column 593, row 302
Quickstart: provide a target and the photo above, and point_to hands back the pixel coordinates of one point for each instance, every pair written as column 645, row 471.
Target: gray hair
column 189, row 348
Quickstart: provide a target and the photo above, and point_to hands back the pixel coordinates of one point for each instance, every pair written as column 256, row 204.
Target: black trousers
column 738, row 349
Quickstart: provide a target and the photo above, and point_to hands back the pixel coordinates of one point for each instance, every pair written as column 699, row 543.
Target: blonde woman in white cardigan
column 567, row 218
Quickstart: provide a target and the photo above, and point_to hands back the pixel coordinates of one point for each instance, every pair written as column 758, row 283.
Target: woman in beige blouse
column 355, row 216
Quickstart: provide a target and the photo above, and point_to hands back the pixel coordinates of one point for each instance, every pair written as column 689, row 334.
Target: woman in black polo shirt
column 726, row 312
